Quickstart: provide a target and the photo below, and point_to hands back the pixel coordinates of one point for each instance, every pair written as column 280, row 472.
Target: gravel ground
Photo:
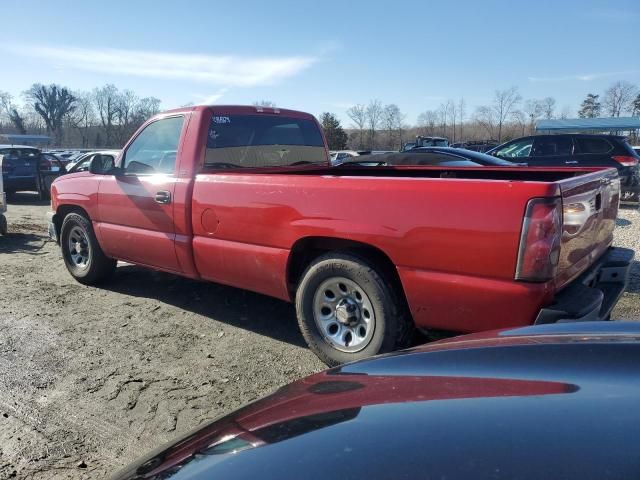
column 91, row 378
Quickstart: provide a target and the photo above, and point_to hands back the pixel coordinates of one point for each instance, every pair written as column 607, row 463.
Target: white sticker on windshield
column 221, row 120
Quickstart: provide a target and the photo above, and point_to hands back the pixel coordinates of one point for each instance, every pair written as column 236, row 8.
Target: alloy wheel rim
column 344, row 314
column 79, row 248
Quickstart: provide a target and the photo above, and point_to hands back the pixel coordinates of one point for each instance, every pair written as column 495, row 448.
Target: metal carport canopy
column 597, row 124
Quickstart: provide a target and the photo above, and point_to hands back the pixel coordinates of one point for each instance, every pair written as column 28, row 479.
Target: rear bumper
column 593, row 295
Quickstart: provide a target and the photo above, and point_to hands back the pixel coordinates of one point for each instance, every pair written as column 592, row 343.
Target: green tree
column 333, row 131
column 590, row 107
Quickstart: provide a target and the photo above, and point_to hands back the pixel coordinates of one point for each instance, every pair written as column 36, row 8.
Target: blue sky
column 323, row 56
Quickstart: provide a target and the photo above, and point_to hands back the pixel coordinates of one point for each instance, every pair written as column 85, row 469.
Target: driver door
column 136, row 206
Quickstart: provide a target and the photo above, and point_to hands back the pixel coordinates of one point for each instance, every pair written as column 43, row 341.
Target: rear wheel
column 347, row 310
column 82, row 254
column 3, row 225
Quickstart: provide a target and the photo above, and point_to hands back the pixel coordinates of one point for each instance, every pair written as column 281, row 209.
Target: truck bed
column 448, row 232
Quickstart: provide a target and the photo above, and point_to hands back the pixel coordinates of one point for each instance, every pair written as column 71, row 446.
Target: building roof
column 597, row 124
column 14, row 138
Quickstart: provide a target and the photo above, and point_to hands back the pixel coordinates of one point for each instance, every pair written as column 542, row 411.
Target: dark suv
column 577, row 150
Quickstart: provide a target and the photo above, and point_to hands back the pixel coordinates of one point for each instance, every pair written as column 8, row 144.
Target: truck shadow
column 239, row 308
column 19, row 242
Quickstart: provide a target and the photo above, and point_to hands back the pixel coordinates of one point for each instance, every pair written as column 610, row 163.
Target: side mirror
column 103, row 165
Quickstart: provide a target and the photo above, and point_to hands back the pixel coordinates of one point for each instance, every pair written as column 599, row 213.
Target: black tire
column 392, row 327
column 3, row 225
column 98, row 266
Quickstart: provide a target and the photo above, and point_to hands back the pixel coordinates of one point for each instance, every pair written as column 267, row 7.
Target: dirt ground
column 91, row 378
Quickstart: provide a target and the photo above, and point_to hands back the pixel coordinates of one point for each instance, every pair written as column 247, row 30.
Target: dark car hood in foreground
column 555, row 401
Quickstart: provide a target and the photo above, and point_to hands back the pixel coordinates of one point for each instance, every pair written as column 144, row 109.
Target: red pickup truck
column 246, row 196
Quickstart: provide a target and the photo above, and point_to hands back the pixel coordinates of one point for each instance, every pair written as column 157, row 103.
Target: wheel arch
column 62, row 211
column 305, row 250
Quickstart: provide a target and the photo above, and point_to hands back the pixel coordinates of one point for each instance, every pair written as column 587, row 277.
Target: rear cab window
column 263, row 140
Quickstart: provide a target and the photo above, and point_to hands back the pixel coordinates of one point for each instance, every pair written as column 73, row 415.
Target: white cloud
column 222, row 70
column 587, row 77
column 210, row 99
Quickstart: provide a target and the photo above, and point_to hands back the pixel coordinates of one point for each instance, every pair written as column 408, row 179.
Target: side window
column 593, row 145
column 83, row 166
column 550, row 146
column 517, row 149
column 155, row 149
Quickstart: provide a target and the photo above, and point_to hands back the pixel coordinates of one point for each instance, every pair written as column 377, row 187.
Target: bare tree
column 618, row 98
column 503, row 104
column 358, row 115
column 83, row 117
column 566, row 112
column 461, row 112
column 392, row 119
column 146, row 108
column 9, row 111
column 125, row 110
column 106, row 105
column 427, row 122
column 374, row 117
column 486, row 118
column 443, row 112
column 533, row 109
column 520, row 119
column 548, row 107
column 52, row 103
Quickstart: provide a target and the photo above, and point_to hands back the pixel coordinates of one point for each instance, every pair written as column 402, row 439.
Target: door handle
column 571, row 162
column 163, row 197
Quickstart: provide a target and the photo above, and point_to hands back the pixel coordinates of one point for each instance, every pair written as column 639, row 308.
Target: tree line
column 104, row 117
column 107, row 116
column 376, row 126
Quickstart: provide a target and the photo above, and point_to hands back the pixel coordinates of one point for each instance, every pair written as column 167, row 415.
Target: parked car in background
column 476, row 146
column 426, row 142
column 546, row 402
column 440, row 156
column 579, row 150
column 246, row 196
column 26, row 168
column 81, row 164
column 340, row 156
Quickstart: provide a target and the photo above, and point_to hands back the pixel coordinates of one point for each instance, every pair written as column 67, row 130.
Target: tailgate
column 19, row 166
column 590, row 207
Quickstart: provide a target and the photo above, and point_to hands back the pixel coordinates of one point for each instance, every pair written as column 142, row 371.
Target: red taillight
column 539, row 250
column 45, row 165
column 626, row 160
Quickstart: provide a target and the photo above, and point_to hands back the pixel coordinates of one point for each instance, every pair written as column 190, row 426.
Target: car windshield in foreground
column 237, row 141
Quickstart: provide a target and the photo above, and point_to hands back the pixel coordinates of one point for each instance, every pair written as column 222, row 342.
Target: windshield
column 263, row 141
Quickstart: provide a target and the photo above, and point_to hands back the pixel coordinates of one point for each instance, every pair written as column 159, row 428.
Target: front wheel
column 348, row 311
column 82, row 254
